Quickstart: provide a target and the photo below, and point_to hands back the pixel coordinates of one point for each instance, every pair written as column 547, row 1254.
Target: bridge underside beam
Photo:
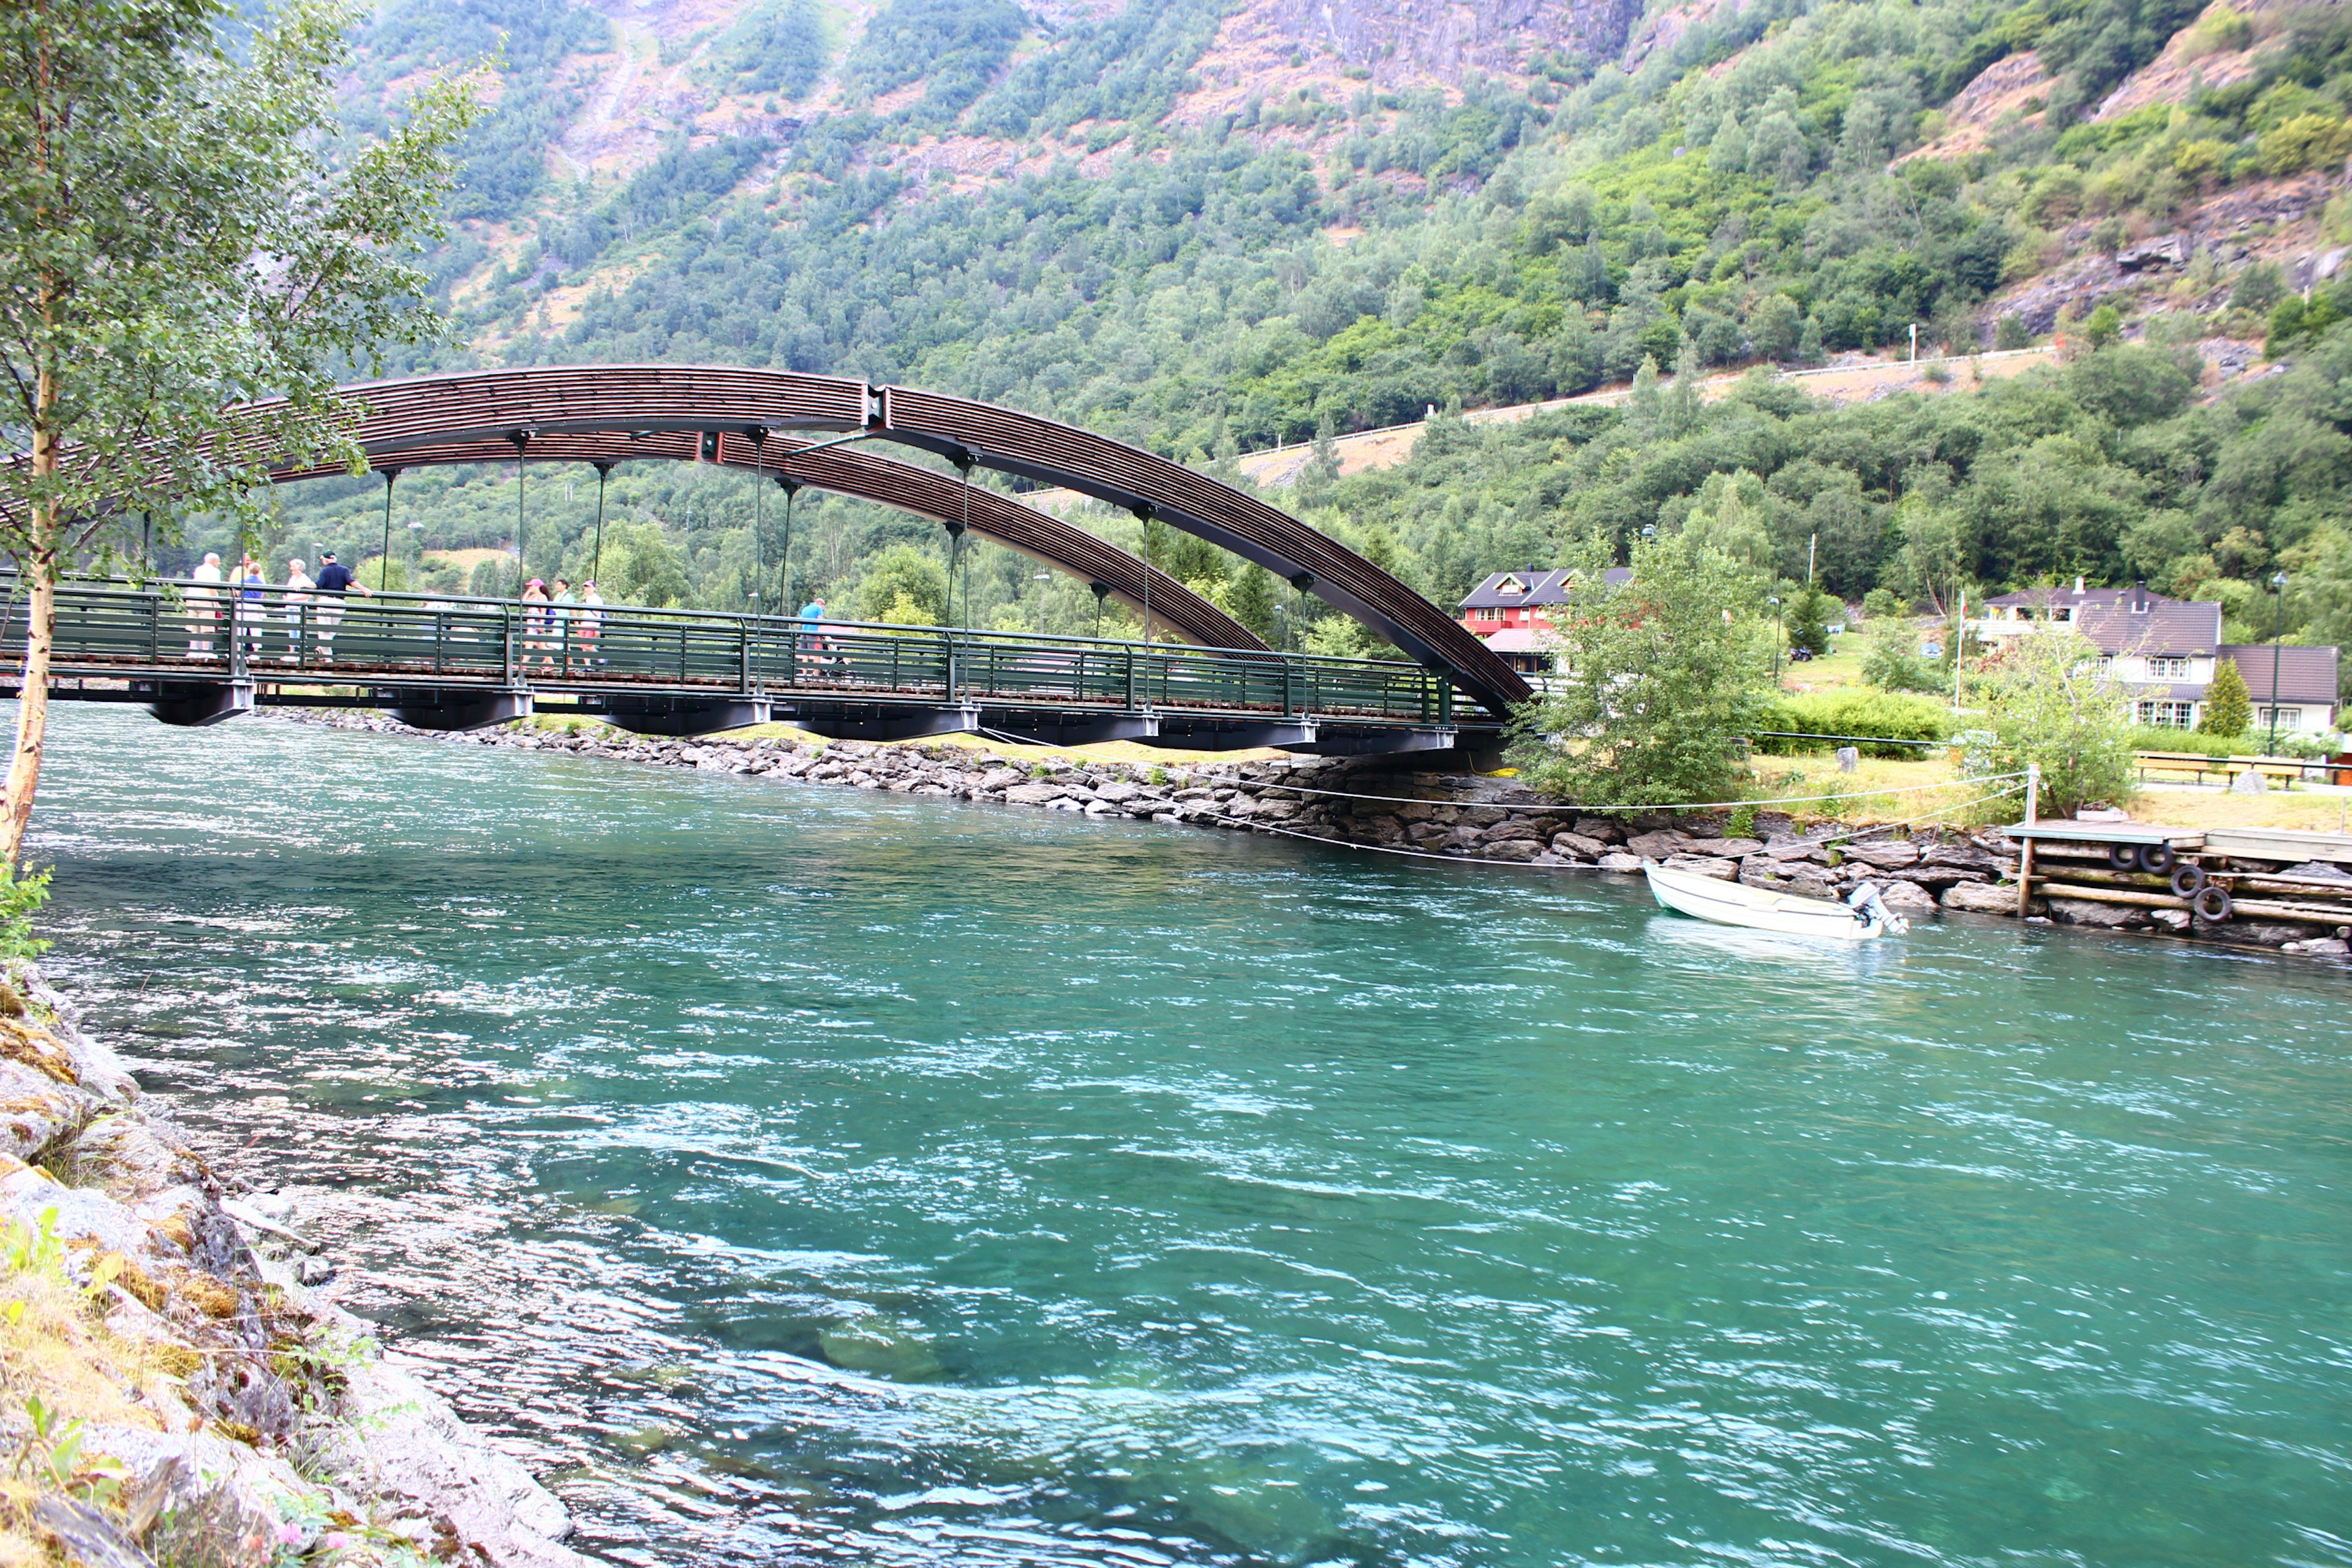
column 460, row 708
column 197, row 703
column 673, row 716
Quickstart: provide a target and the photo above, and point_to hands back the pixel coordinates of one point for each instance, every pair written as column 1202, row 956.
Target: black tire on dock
column 2123, row 856
column 2211, row 903
column 2157, row 858
column 2187, row 879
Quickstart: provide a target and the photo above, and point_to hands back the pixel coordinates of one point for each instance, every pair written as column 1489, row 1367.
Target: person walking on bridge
column 251, row 586
column 813, row 623
column 592, row 624
column 298, row 607
column 559, row 616
column 534, row 624
column 335, row 579
column 204, row 605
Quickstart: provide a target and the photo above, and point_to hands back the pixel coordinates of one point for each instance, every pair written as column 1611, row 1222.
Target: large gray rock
column 1041, row 793
column 1619, row 860
column 2319, row 947
column 1886, row 854
column 1579, row 845
column 1907, row 899
column 1597, row 828
column 1705, row 866
column 2087, row 912
column 1657, row 846
column 1519, row 849
column 1515, row 827
column 1723, row 849
column 1987, row 899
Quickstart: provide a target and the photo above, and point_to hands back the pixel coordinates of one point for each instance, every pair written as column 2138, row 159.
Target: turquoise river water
column 794, row 1174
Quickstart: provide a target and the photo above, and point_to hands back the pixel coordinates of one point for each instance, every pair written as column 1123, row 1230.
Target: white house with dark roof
column 1510, row 612
column 2165, row 651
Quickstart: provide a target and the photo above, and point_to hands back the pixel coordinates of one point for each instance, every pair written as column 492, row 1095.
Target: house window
column 2286, row 718
column 2168, row 715
column 2062, row 614
column 2168, row 668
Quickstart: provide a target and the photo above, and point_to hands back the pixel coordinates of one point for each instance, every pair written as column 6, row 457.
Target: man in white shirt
column 298, row 584
column 204, row 605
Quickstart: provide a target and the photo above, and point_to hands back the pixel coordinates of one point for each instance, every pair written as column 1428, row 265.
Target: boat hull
column 1757, row 909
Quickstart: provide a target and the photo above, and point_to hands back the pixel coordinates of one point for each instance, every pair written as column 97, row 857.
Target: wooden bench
column 2197, row 766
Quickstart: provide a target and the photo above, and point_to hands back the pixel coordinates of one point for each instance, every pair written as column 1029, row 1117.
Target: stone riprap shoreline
column 167, row 1316
column 1378, row 805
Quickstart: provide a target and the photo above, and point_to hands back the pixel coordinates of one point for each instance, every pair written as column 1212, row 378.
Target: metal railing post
column 743, row 653
column 506, row 636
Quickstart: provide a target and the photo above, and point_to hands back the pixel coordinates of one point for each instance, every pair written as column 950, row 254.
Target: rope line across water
column 1675, row 805
column 1578, row 866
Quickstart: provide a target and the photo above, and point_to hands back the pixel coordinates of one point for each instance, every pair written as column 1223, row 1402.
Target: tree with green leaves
column 1892, row 662
column 2049, row 702
column 1809, row 621
column 190, row 252
column 903, row 586
column 1658, row 680
column 2229, row 707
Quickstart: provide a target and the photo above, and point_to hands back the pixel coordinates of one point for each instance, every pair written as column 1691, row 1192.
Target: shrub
column 2010, row 332
column 1892, row 715
column 2051, row 703
column 1892, row 663
column 2306, row 141
column 1881, row 602
column 21, row 898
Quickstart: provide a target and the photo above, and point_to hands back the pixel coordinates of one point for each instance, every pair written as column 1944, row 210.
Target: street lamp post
column 1778, row 634
column 2278, row 630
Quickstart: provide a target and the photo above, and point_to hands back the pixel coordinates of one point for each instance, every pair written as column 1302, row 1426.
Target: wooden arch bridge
column 196, row 655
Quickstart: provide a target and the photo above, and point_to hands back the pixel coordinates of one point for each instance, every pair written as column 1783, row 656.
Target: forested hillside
column 1206, row 225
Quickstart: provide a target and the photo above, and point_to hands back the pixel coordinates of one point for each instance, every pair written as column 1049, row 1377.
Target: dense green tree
column 905, row 587
column 1809, row 621
column 2229, row 709
column 2052, row 702
column 1656, row 683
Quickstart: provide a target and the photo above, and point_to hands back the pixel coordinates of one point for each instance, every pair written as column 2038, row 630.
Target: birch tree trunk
column 33, row 698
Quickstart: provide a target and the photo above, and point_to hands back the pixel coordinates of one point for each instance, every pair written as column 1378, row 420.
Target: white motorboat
column 1761, row 908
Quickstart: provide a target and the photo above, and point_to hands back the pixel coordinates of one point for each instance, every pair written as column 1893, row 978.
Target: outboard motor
column 1868, row 906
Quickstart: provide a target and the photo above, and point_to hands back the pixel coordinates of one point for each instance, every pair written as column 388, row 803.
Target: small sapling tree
column 184, row 233
column 2229, row 707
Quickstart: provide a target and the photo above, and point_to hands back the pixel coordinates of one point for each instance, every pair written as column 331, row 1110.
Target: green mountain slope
column 1206, row 226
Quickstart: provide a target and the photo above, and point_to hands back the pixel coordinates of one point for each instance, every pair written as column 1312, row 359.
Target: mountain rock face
column 1444, row 38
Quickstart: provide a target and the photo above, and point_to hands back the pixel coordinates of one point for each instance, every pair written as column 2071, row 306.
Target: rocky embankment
column 1383, row 807
column 172, row 1388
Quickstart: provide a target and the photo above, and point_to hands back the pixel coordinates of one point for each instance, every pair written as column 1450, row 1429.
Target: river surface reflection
column 794, row 1174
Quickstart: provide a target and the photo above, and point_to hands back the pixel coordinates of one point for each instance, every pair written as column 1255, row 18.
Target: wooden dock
column 2204, row 874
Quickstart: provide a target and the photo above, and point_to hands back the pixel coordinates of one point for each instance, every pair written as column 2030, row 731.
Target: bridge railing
column 198, row 629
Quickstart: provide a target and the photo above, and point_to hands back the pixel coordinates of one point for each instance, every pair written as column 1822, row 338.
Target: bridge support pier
column 689, row 718
column 452, row 711
column 193, row 705
column 875, row 723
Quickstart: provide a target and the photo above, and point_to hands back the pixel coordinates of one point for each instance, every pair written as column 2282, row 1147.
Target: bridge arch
column 903, row 486
column 418, row 415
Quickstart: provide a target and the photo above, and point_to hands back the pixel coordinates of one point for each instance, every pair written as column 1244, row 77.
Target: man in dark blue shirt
column 335, row 579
